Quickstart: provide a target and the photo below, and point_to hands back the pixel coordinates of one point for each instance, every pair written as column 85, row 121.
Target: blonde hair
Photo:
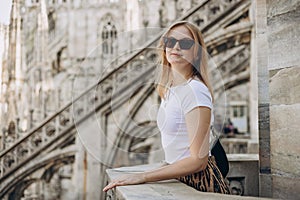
column 200, row 64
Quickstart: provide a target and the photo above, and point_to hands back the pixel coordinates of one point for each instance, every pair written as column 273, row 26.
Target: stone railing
column 239, row 145
column 173, row 189
column 235, row 145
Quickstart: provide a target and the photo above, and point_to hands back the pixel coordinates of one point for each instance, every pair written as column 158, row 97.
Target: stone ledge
column 163, row 190
column 242, row 157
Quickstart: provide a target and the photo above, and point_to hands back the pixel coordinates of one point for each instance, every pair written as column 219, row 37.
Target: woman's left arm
column 198, row 126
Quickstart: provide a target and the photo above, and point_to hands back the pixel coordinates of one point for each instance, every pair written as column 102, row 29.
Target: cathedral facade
column 74, row 100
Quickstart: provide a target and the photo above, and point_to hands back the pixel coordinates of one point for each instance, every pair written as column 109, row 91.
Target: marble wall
column 278, row 63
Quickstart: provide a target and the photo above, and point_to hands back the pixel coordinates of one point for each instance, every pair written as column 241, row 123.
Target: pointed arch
column 12, row 128
column 107, row 35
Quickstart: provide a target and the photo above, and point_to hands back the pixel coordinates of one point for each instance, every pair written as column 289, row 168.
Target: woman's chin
column 178, row 61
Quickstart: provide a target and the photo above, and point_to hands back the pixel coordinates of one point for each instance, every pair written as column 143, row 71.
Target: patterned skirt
column 208, row 180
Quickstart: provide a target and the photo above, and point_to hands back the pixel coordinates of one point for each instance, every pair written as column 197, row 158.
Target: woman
column 185, row 114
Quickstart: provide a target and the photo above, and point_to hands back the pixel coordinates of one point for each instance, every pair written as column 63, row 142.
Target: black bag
column 220, row 158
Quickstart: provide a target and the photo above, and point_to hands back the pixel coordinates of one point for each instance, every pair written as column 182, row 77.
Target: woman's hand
column 129, row 179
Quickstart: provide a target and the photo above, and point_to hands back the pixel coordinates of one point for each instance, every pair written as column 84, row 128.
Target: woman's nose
column 176, row 45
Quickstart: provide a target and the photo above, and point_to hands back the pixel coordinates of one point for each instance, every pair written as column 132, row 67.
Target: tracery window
column 109, row 35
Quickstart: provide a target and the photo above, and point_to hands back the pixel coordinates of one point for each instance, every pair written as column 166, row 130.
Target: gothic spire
column 42, row 34
column 14, row 55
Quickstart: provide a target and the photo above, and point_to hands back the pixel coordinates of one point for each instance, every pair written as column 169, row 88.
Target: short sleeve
column 195, row 95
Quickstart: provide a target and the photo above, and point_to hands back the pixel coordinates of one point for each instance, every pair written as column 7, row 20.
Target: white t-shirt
column 179, row 101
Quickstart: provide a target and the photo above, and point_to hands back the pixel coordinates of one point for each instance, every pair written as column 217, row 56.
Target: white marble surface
column 163, row 190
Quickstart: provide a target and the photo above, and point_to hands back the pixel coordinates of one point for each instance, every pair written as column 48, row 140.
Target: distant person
column 185, row 114
column 229, row 129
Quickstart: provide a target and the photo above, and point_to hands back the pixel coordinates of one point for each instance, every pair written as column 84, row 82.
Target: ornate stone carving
column 237, row 186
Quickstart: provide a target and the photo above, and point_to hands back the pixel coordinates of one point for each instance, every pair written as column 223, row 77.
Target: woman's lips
column 175, row 54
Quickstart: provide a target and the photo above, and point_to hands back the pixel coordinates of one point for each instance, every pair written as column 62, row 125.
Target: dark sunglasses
column 184, row 44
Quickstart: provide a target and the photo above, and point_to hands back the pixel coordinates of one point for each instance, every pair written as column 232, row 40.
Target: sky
column 5, row 7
